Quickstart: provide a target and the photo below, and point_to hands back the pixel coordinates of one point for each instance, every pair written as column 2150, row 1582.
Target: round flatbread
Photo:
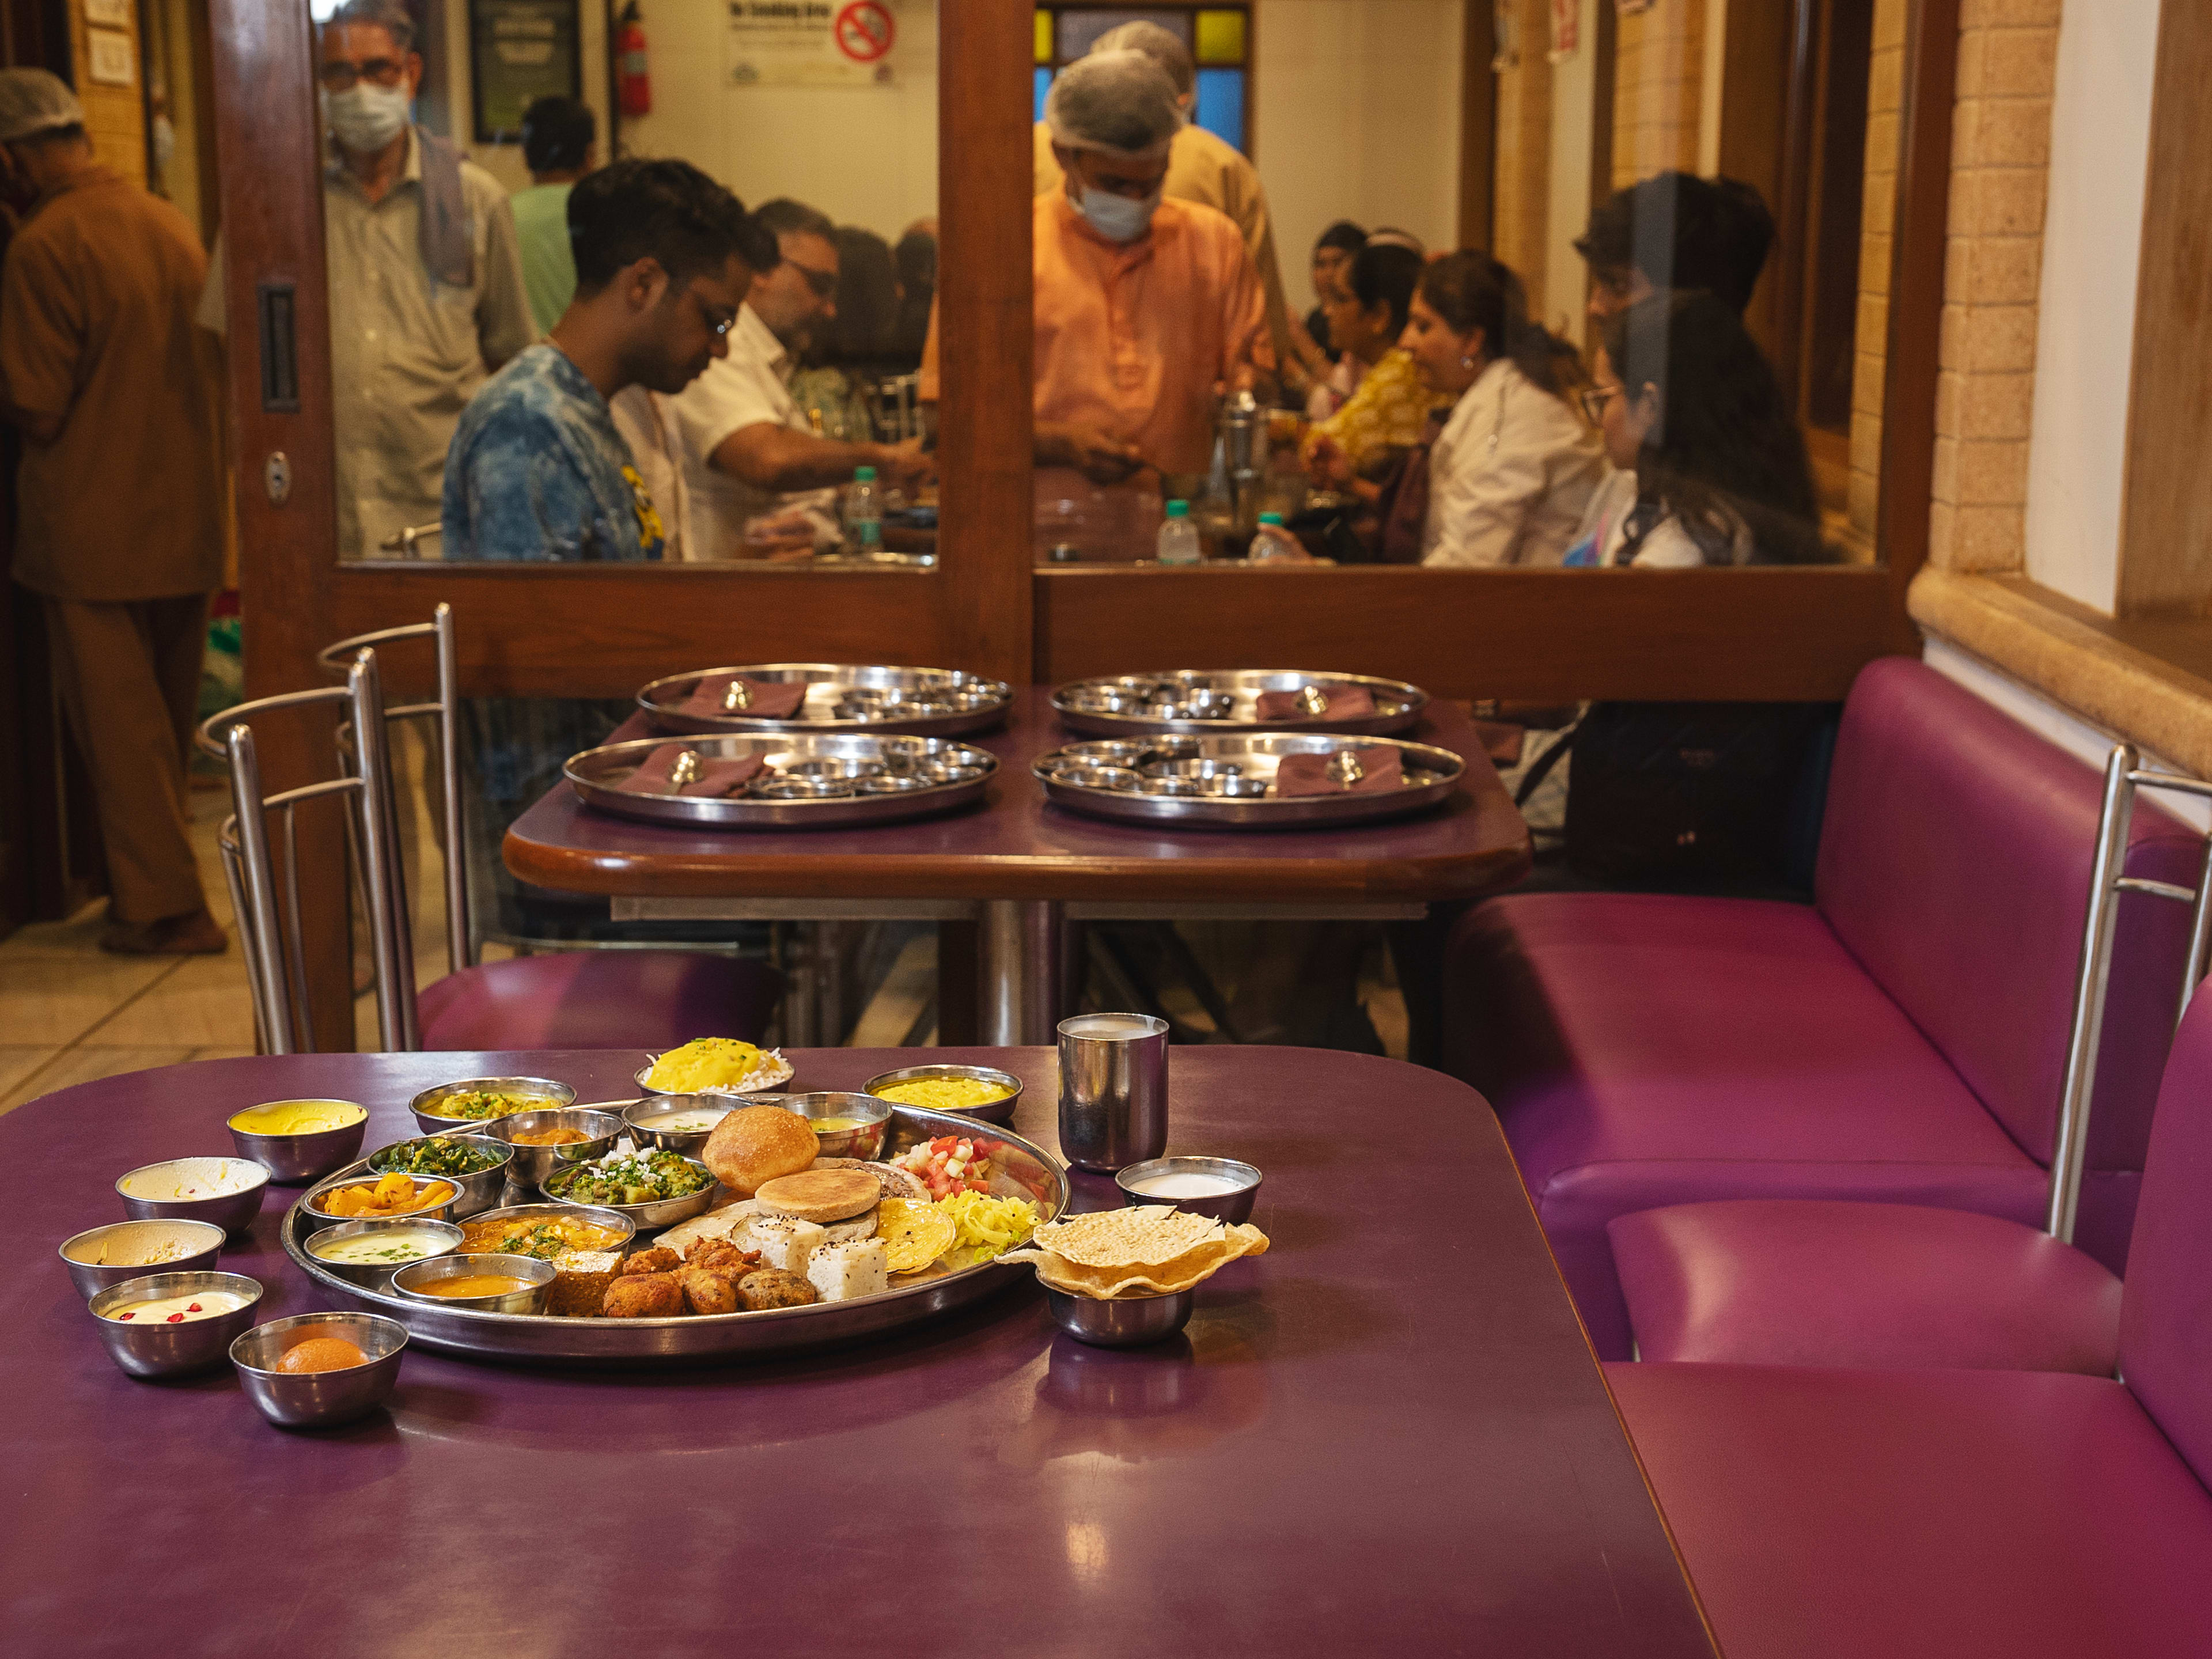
column 820, row 1195
column 895, row 1182
column 1143, row 1235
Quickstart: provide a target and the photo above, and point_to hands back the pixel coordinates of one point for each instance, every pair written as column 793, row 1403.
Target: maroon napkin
column 716, row 777
column 1501, row 742
column 1345, row 702
column 1308, row 775
column 773, row 699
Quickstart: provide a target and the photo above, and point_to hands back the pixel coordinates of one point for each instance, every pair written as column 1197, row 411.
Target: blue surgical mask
column 1117, row 218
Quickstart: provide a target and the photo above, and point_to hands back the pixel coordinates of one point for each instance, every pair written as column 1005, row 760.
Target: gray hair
column 390, row 16
column 1163, row 45
column 1120, row 103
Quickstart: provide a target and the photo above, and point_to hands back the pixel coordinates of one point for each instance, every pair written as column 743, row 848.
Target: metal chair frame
column 271, row 938
column 2124, row 774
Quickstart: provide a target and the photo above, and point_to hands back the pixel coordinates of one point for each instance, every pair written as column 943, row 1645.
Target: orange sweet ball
column 320, row 1353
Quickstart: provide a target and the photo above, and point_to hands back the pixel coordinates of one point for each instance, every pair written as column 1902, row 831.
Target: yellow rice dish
column 707, row 1063
column 944, row 1094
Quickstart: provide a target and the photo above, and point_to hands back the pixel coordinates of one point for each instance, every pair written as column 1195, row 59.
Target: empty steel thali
column 1191, row 702
column 804, row 781
column 1230, row 781
column 838, row 697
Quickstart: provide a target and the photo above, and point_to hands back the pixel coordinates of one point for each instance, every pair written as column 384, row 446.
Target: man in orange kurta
column 1146, row 310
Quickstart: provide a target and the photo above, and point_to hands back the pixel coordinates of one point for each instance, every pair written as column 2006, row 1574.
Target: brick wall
column 114, row 116
column 1658, row 72
column 2000, row 155
column 1522, row 214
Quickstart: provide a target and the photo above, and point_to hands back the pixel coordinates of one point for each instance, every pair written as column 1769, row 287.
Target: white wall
column 2085, row 336
column 1357, row 117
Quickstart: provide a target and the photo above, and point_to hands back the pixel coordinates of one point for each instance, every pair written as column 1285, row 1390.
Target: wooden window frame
column 1250, row 66
column 602, row 630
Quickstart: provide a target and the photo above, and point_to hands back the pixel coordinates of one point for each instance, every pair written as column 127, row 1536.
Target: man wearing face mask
column 119, row 519
column 426, row 294
column 1146, row 309
column 761, row 481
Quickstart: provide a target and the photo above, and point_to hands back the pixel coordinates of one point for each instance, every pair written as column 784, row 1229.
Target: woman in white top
column 1710, row 468
column 1514, row 467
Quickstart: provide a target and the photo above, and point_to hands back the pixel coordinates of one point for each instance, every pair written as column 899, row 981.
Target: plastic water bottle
column 863, row 512
column 1272, row 543
column 1178, row 536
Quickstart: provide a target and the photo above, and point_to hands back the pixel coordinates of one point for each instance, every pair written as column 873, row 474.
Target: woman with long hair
column 1710, row 469
column 1379, row 402
column 1509, row 474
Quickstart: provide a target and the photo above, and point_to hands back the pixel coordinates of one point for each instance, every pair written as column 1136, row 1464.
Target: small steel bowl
column 784, row 788
column 312, row 1205
column 1000, row 1111
column 1177, row 786
column 1193, row 769
column 232, row 1211
column 1118, row 778
column 479, row 1191
column 865, row 1142
column 834, row 766
column 950, row 773
column 652, row 1215
column 161, row 1349
column 894, row 784
column 320, row 1399
column 413, row 1281
column 1239, row 789
column 1122, row 1321
column 80, row 1254
column 295, row 1160
column 647, row 1120
column 613, row 1220
column 1111, row 751
column 378, row 1274
column 425, row 1105
column 534, row 1165
column 1233, row 1206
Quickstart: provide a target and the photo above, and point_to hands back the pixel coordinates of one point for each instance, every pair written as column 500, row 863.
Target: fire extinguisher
column 633, row 70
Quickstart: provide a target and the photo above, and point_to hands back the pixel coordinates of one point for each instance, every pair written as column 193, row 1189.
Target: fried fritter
column 644, row 1296
column 710, row 1290
column 656, row 1261
column 773, row 1287
column 720, row 1253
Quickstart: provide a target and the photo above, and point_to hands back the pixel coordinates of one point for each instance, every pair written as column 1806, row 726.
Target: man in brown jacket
column 120, row 524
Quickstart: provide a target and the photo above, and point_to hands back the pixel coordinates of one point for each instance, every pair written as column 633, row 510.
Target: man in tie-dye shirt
column 538, row 470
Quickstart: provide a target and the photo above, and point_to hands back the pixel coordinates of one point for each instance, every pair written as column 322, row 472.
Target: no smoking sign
column 865, row 31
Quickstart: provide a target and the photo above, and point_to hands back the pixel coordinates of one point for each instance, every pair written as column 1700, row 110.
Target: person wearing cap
column 1202, row 167
column 120, row 525
column 761, row 480
column 1146, row 309
column 427, row 297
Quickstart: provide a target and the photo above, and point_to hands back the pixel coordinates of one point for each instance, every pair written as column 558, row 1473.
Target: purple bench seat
column 1828, row 1514
column 1901, row 1040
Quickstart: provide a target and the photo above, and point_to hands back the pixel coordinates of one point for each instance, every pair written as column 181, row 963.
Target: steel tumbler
column 1113, row 1089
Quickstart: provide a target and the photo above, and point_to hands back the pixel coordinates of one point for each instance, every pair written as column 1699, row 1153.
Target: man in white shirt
column 761, row 482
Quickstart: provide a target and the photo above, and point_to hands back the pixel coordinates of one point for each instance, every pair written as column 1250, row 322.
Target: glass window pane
column 1220, row 37
column 1221, row 104
column 1043, row 86
column 1044, row 37
column 1078, row 29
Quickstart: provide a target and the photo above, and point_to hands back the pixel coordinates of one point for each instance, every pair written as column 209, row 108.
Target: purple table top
column 1386, row 1436
column 1016, row 845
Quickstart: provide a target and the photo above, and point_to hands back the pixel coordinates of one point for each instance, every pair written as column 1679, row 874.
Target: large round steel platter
column 1197, row 702
column 809, row 782
column 1229, row 783
column 840, row 697
column 1024, row 1171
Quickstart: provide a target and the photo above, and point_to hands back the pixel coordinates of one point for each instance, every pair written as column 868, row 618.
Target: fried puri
column 755, row 1143
column 772, row 1287
column 644, row 1296
column 656, row 1261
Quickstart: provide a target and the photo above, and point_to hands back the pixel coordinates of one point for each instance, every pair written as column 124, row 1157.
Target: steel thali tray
column 1229, row 781
column 1024, row 1171
column 863, row 779
column 841, row 697
column 1197, row 702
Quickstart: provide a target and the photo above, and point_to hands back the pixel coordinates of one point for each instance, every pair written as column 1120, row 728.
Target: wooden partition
column 603, row 630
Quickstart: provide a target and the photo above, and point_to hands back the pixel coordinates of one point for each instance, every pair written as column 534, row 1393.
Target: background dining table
column 1387, row 1435
column 1022, row 866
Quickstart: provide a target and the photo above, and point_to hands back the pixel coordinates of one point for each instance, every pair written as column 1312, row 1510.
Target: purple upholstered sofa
column 1900, row 1039
column 1848, row 1514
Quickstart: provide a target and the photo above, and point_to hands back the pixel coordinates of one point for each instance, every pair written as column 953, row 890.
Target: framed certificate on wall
column 520, row 50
